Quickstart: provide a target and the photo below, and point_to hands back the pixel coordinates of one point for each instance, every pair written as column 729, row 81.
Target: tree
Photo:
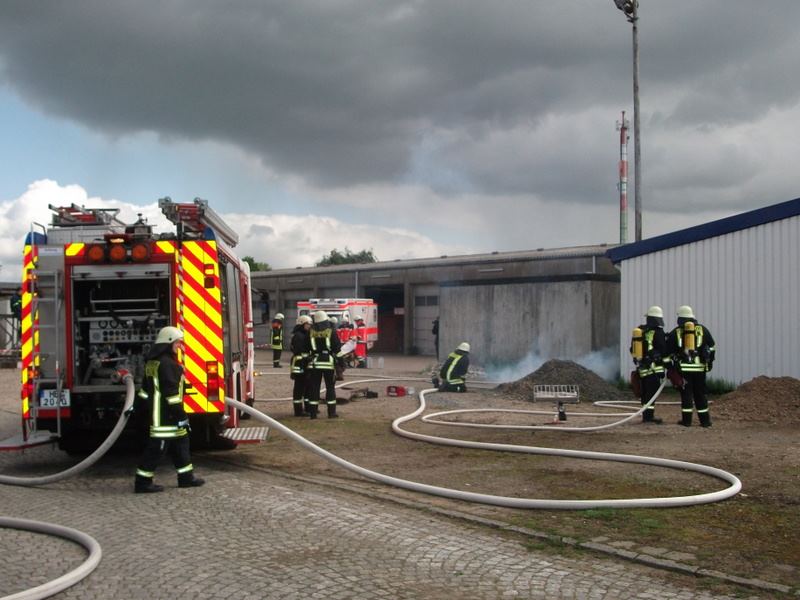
column 346, row 258
column 256, row 266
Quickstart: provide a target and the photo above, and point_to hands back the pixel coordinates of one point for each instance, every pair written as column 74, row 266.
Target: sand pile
column 771, row 399
column 565, row 372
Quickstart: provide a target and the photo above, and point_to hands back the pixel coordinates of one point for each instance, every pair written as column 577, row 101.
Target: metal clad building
column 560, row 302
column 741, row 275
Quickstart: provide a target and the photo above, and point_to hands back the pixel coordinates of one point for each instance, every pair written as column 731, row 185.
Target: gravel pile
column 592, row 387
column 771, row 399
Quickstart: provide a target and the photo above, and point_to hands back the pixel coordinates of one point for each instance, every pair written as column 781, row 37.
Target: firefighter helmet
column 334, row 320
column 320, row 316
column 655, row 311
column 685, row 312
column 168, row 335
column 463, row 346
column 279, row 317
column 346, row 316
column 303, row 320
column 359, row 318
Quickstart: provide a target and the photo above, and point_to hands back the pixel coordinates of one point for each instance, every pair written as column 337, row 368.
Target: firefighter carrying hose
column 325, row 345
column 454, row 370
column 169, row 425
column 692, row 347
column 649, row 350
column 276, row 340
column 301, row 351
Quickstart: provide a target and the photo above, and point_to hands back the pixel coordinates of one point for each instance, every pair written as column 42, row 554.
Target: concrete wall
column 504, row 323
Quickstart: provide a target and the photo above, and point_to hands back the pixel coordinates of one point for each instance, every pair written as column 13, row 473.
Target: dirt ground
column 754, row 436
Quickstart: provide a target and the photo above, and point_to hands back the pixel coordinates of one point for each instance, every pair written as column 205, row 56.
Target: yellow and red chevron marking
column 200, row 316
column 75, row 249
column 28, row 340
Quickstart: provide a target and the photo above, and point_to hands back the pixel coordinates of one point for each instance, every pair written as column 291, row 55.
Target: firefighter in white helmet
column 169, row 424
column 454, row 370
column 301, row 351
column 276, row 340
column 693, row 349
column 649, row 350
column 325, row 345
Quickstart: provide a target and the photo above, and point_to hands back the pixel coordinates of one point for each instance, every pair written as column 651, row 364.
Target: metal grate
column 245, row 435
column 556, row 393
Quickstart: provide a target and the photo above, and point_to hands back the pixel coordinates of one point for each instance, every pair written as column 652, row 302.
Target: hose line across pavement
column 534, row 503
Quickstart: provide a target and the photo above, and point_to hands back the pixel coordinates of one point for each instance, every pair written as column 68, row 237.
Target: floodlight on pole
column 631, row 10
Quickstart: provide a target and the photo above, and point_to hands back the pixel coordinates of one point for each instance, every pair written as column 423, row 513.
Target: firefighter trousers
column 315, row 380
column 694, row 394
column 650, row 384
column 300, row 393
column 178, row 449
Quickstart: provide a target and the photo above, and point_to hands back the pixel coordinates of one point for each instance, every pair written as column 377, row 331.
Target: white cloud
column 283, row 241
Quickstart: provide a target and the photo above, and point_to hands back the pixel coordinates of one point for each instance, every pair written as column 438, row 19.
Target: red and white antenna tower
column 622, row 127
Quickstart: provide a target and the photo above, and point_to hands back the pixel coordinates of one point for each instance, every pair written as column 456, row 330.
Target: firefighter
column 324, row 345
column 651, row 360
column 692, row 347
column 454, row 370
column 301, row 350
column 361, row 342
column 276, row 340
column 169, row 425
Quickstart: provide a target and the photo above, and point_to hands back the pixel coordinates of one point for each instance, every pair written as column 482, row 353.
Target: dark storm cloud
column 349, row 92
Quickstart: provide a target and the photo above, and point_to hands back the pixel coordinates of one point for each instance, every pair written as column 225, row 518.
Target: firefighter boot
column 276, row 364
column 298, row 409
column 705, row 419
column 312, row 411
column 332, row 411
column 306, row 407
column 186, row 480
column 145, row 485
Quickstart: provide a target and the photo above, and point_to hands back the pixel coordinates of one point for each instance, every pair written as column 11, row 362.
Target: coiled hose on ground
column 89, row 543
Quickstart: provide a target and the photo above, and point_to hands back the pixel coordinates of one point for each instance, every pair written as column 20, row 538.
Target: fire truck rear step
column 246, row 435
column 37, row 438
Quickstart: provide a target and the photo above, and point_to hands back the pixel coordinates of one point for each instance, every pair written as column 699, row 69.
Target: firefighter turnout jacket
column 276, row 338
column 163, row 387
column 699, row 360
column 656, row 358
column 300, row 345
column 324, row 345
column 455, row 368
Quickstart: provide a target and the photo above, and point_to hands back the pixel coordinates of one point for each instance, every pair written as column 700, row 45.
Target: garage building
column 741, row 275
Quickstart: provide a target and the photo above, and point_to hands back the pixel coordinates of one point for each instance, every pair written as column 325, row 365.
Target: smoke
column 604, row 363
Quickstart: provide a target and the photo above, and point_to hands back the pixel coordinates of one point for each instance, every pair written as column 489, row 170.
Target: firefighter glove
column 184, row 424
column 129, row 411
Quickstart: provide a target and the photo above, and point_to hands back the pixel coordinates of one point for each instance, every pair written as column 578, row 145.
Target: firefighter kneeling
column 454, row 370
column 325, row 345
column 169, row 425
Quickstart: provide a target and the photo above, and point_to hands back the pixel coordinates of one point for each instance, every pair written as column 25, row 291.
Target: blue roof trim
column 760, row 216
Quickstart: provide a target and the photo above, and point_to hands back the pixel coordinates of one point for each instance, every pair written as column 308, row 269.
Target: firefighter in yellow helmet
column 693, row 349
column 454, row 370
column 651, row 358
column 325, row 345
column 276, row 340
column 169, row 424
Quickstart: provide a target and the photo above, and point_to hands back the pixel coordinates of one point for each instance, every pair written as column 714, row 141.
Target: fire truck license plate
column 47, row 398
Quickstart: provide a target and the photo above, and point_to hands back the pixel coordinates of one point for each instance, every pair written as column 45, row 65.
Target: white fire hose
column 734, row 487
column 89, row 543
column 95, row 553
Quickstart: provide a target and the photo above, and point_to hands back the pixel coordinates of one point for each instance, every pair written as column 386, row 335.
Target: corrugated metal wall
column 743, row 285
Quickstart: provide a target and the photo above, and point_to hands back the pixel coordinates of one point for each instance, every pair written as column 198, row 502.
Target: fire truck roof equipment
column 196, row 216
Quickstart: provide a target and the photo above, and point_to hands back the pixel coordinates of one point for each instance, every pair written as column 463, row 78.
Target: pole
column 637, row 146
column 622, row 126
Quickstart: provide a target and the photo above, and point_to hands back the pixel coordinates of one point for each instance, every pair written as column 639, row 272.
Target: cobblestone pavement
column 252, row 535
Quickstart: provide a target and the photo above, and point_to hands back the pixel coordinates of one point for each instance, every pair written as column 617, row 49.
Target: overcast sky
column 412, row 128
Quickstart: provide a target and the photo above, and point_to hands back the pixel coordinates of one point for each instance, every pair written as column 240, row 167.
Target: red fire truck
column 96, row 291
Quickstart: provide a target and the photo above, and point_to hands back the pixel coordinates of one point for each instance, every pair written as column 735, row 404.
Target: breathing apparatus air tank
column 688, row 336
column 637, row 343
